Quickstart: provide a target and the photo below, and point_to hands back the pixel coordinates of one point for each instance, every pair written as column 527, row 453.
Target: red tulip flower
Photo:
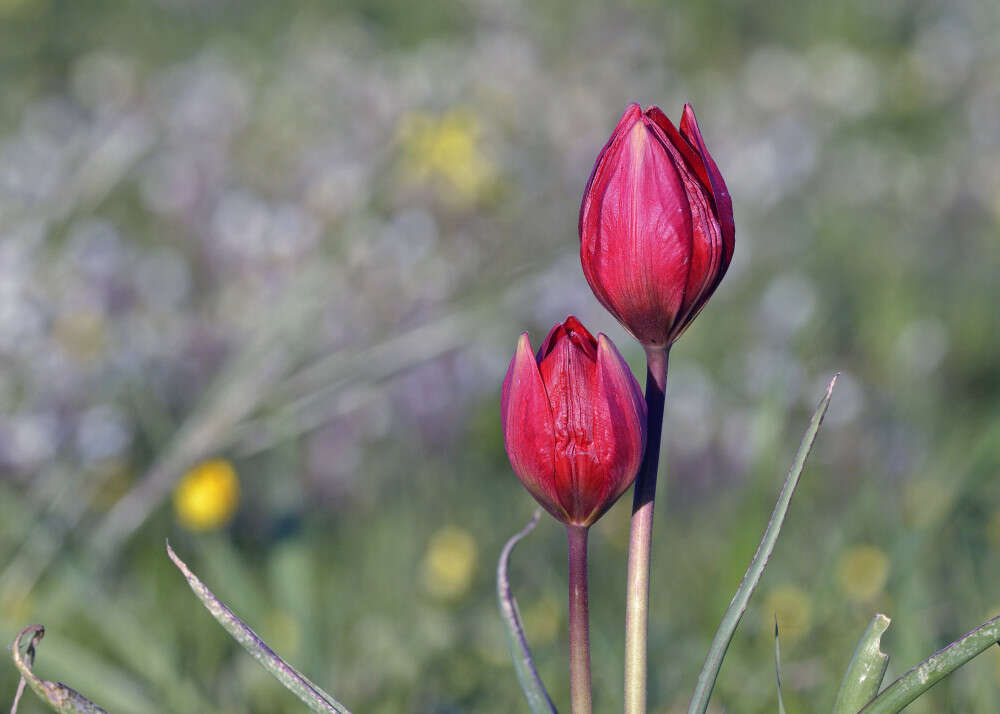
column 574, row 422
column 656, row 225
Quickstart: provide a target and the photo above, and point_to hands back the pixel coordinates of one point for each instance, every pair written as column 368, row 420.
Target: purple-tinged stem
column 579, row 621
column 641, row 536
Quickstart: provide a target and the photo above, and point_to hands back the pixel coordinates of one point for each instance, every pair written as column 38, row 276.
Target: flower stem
column 641, row 536
column 579, row 625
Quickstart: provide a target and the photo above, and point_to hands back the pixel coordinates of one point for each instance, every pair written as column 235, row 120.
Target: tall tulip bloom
column 656, row 225
column 574, row 422
column 656, row 238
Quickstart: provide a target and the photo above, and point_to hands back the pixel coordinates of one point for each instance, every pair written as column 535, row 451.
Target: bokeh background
column 262, row 266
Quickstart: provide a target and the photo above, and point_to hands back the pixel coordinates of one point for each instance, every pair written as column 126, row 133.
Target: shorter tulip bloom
column 656, row 225
column 574, row 422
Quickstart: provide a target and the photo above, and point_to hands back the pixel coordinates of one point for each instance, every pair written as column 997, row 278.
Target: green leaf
column 531, row 684
column 777, row 667
column 935, row 668
column 730, row 621
column 57, row 695
column 865, row 671
column 314, row 697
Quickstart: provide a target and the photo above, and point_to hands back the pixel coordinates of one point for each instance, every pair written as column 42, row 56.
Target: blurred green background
column 299, row 240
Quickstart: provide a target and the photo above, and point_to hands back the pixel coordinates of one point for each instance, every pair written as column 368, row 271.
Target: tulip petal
column 720, row 194
column 705, row 235
column 619, row 426
column 568, row 375
column 528, row 428
column 632, row 114
column 690, row 152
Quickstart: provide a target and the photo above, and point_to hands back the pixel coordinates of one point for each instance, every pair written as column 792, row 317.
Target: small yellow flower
column 207, row 496
column 862, row 572
column 446, row 152
column 449, row 563
column 793, row 608
column 542, row 620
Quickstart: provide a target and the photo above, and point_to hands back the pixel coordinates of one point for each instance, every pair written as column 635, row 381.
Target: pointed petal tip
column 632, row 114
column 690, row 129
column 524, row 352
column 572, row 322
column 523, row 356
column 608, row 355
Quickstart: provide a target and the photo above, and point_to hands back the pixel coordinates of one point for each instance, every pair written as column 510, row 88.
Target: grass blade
column 865, row 671
column 314, row 697
column 777, row 667
column 531, row 684
column 730, row 621
column 935, row 668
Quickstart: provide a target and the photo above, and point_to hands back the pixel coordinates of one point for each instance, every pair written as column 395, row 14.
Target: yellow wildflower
column 449, row 563
column 543, row 619
column 446, row 152
column 862, row 572
column 207, row 496
column 793, row 608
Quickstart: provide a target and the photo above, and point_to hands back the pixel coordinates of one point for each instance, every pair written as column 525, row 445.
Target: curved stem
column 579, row 625
column 531, row 684
column 641, row 536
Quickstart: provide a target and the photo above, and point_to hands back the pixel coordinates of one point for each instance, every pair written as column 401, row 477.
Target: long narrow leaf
column 57, row 695
column 314, row 697
column 865, row 671
column 935, row 668
column 730, row 621
column 531, row 684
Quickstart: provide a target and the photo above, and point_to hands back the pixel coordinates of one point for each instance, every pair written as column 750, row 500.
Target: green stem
column 935, row 668
column 641, row 536
column 865, row 671
column 579, row 625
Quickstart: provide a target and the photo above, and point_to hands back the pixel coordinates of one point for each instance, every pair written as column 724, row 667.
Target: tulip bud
column 656, row 225
column 574, row 422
